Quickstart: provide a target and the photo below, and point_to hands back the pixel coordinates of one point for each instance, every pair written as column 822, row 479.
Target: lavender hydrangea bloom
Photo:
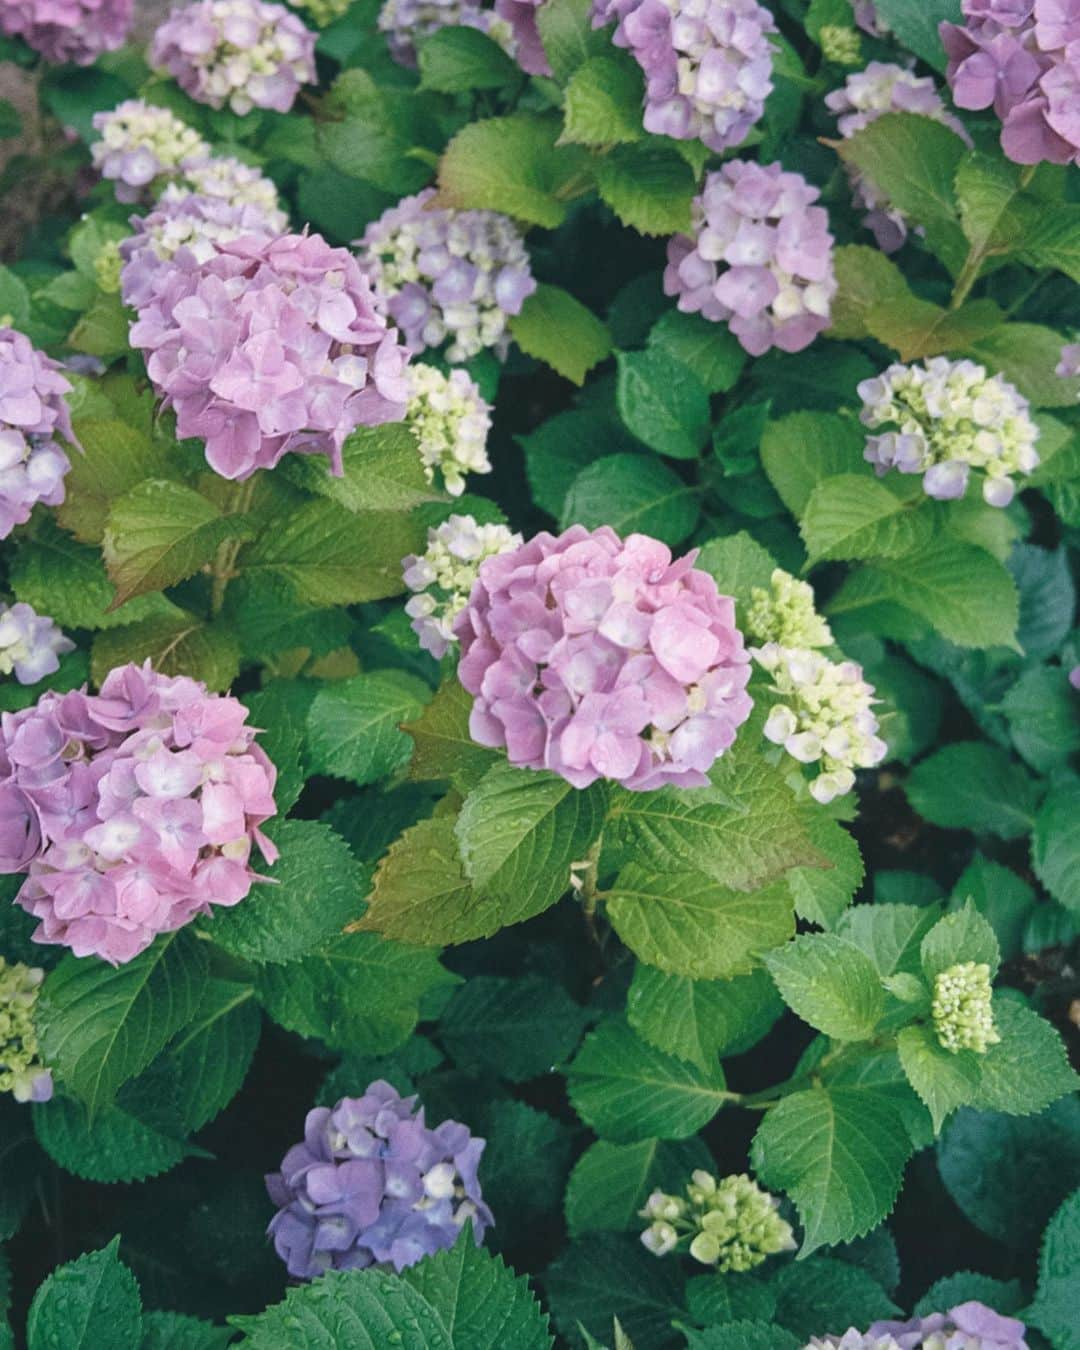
column 142, row 145
column 273, row 345
column 528, row 49
column 132, row 810
column 32, row 414
column 371, row 1183
column 1022, row 58
column 707, row 63
column 448, row 276
column 883, row 87
column 243, row 53
column 598, row 658
column 760, row 257
column 1068, row 367
column 968, row 1326
column 63, row 31
column 30, row 644
column 407, row 22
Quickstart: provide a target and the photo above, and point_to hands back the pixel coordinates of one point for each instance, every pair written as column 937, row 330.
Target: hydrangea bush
column 539, row 675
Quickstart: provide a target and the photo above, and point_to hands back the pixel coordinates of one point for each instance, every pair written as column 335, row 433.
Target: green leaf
column 1002, row 897
column 175, row 644
column 611, row 1182
column 963, row 592
column 602, row 102
column 633, row 494
column 458, row 60
column 121, row 1144
column 177, row 1331
column 443, row 746
column 14, row 299
column 1054, row 1309
column 99, row 1025
column 518, row 833
column 963, row 935
column 319, row 887
column 354, row 726
column 627, row 1090
column 280, row 709
column 607, row 1275
column 973, row 785
column 822, row 894
column 711, row 351
column 649, row 187
column 91, row 1303
column 731, row 1297
column 1055, row 848
column 839, row 1152
column 1004, row 1296
column 687, row 924
column 738, row 564
column 211, row 1056
column 382, row 469
column 1026, row 354
column 519, row 1028
column 103, row 329
column 568, row 35
column 421, row 895
column 459, row 1299
column 823, row 1292
column 915, row 24
column 943, row 1080
column 746, row 1334
column 891, row 935
column 561, row 331
column 855, row 516
column 802, row 449
column 829, row 983
column 1043, row 713
column 564, row 445
column 917, row 328
column 865, row 279
column 662, row 402
column 1028, row 1068
column 116, row 457
column 1053, row 239
column 510, row 164
column 701, row 1021
column 525, row 1166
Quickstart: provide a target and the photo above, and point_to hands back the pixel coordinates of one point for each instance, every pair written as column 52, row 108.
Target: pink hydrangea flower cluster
column 62, row 31
column 760, row 257
column 1022, row 58
column 448, row 276
column 243, row 53
column 707, row 63
column 133, row 810
column 32, row 414
column 884, row 87
column 599, row 658
column 273, row 345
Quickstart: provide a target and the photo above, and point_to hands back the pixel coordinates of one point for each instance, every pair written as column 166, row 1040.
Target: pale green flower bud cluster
column 824, row 716
column 233, row 182
column 785, row 614
column 840, row 44
column 946, row 418
column 21, row 1070
column 731, row 1224
column 962, row 1011
column 450, row 420
column 444, row 575
column 107, row 267
column 323, row 12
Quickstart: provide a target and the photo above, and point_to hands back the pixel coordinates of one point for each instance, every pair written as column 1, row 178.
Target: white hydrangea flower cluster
column 31, row 644
column 450, row 420
column 729, row 1223
column 233, row 182
column 945, row 418
column 785, row 613
column 141, row 145
column 962, row 1010
column 444, row 575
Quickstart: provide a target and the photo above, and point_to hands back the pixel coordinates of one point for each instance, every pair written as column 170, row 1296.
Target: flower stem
column 222, row 569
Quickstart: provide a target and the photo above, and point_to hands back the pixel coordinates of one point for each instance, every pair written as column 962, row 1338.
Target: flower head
column 371, row 1183
column 275, row 344
column 21, row 1070
column 759, row 257
column 962, row 1011
column 840, row 44
column 448, row 276
column 731, row 1224
column 707, row 63
column 450, row 420
column 407, row 22
column 785, row 614
column 596, row 657
column 945, row 418
column 968, row 1326
column 443, row 576
column 142, row 146
column 234, row 183
column 30, row 644
column 32, row 415
column 63, row 31
column 241, row 53
column 131, row 810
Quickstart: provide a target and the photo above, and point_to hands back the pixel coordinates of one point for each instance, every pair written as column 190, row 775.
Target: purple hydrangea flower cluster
column 132, row 810
column 968, row 1326
column 448, row 276
column 273, row 345
column 30, row 644
column 760, row 257
column 407, row 22
column 243, row 53
column 371, row 1183
column 707, row 63
column 32, row 414
column 1022, row 58
column 62, row 31
column 883, row 87
column 598, row 658
column 142, row 145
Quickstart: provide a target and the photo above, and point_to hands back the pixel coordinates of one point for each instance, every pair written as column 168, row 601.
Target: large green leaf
column 210, row 1057
column 354, row 726
column 855, row 516
column 829, row 983
column 611, row 1182
column 1058, row 1293
column 557, row 329
column 519, row 1028
column 421, row 895
column 662, row 402
column 1055, row 849
column 91, row 1303
column 702, row 1020
column 974, row 785
column 633, row 494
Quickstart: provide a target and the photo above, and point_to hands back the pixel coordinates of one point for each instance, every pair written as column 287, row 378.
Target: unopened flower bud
column 962, row 1010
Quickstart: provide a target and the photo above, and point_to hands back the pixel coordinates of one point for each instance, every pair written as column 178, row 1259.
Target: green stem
column 222, row 570
column 587, row 890
column 969, row 274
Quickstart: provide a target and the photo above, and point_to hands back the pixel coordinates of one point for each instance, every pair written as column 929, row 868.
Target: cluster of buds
column 21, row 1070
column 30, row 644
column 962, row 1010
column 142, row 146
column 444, row 575
column 448, row 276
column 840, row 44
column 63, row 31
column 241, row 53
column 450, row 420
column 946, row 418
column 786, row 613
column 968, row 1326
column 881, row 88
column 731, row 1224
column 759, row 257
column 32, row 414
column 372, row 1184
column 707, row 63
column 231, row 181
column 407, row 22
column 323, row 12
